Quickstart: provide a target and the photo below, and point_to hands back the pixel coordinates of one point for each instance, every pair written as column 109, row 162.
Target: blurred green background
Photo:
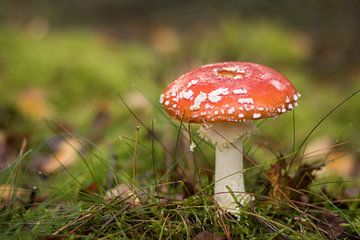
column 66, row 65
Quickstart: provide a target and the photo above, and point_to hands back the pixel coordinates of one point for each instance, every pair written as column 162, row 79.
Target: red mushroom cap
column 229, row 92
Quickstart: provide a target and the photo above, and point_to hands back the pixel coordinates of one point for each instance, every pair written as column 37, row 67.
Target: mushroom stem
column 229, row 178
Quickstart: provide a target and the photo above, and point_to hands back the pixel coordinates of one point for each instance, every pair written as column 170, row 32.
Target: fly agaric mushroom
column 225, row 98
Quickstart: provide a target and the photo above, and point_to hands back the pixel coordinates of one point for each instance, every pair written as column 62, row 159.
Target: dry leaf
column 33, row 104
column 123, row 192
column 29, row 196
column 338, row 163
column 279, row 181
column 317, row 149
column 282, row 184
column 9, row 192
column 63, row 157
column 137, row 101
column 119, row 190
column 91, row 188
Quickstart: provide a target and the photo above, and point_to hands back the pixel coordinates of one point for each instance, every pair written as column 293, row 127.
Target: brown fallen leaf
column 122, row 191
column 317, row 149
column 91, row 188
column 284, row 187
column 279, row 182
column 90, row 192
column 65, row 155
column 9, row 192
column 204, row 235
column 338, row 163
column 32, row 103
column 119, row 190
column 335, row 163
column 137, row 100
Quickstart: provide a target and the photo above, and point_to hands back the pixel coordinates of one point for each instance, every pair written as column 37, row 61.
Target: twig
column 134, row 163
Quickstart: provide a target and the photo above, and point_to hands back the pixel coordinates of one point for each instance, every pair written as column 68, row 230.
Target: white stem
column 227, row 138
column 229, row 175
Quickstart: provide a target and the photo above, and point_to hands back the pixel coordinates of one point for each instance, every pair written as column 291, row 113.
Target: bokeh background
column 68, row 67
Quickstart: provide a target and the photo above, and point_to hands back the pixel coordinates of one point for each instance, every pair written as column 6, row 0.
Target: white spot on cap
column 249, row 108
column 231, row 110
column 207, row 106
column 246, row 100
column 241, row 115
column 239, row 91
column 277, row 84
column 265, row 75
column 287, row 100
column 296, row 97
column 198, row 100
column 256, row 115
column 174, row 105
column 216, row 112
column 214, row 96
column 186, row 94
column 192, row 82
column 161, row 98
column 260, row 108
column 290, row 106
column 167, row 103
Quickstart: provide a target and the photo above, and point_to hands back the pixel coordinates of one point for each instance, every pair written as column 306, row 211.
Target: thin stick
column 134, row 162
column 153, row 158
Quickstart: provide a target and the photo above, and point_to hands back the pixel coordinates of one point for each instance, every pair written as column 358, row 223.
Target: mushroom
column 225, row 98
